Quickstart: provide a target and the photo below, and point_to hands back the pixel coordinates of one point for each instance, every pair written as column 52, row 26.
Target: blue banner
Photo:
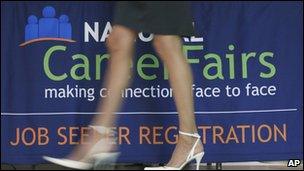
column 246, row 57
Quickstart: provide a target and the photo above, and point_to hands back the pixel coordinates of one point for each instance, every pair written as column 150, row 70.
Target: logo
column 293, row 163
column 47, row 28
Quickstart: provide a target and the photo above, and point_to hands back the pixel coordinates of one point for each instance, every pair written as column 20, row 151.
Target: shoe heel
column 198, row 159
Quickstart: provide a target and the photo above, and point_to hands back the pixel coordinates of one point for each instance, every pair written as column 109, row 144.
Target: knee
column 117, row 42
column 159, row 45
column 166, row 46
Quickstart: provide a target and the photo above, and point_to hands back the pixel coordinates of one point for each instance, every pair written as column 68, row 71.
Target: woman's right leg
column 120, row 46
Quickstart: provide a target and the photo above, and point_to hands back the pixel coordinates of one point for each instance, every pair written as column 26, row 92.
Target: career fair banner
column 246, row 57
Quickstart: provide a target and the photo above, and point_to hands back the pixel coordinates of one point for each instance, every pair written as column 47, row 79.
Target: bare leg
column 170, row 50
column 120, row 46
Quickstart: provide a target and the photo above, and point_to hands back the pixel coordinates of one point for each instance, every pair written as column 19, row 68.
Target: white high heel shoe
column 191, row 156
column 92, row 158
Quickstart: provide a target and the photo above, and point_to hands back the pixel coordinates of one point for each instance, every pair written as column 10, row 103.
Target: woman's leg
column 169, row 48
column 120, row 46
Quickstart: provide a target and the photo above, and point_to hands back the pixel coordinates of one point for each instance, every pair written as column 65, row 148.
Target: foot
column 96, row 143
column 182, row 149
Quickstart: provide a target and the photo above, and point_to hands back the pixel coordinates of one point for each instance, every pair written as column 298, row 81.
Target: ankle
column 186, row 139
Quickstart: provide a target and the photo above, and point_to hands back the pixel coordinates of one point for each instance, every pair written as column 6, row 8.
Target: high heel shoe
column 191, row 156
column 92, row 158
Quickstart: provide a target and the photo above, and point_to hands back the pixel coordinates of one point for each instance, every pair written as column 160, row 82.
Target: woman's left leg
column 169, row 48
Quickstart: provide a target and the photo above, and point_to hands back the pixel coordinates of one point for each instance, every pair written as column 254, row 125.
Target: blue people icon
column 49, row 25
column 31, row 29
column 65, row 28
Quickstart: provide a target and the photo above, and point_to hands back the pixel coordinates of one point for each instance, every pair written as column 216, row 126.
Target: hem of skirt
column 138, row 29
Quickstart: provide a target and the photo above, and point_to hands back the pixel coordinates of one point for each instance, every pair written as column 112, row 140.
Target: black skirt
column 157, row 17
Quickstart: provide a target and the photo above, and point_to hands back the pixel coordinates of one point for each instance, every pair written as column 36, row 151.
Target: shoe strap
column 100, row 143
column 102, row 129
column 195, row 135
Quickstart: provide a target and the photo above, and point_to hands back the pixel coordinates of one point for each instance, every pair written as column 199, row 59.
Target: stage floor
column 280, row 165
